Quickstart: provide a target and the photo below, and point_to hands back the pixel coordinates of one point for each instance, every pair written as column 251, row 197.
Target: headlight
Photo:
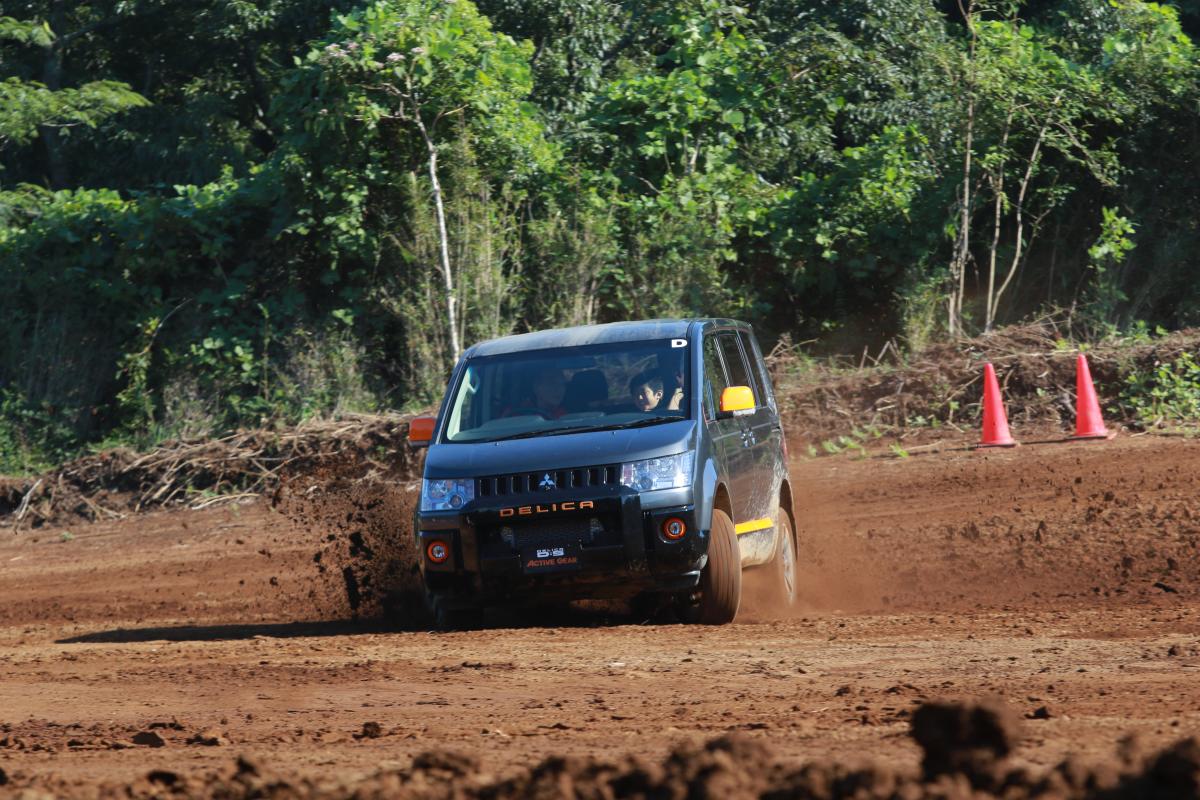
column 671, row 472
column 446, row 495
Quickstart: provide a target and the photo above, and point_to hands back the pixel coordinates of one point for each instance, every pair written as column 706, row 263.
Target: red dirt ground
column 1060, row 578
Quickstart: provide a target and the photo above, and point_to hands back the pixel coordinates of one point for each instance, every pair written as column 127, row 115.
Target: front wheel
column 721, row 580
column 450, row 616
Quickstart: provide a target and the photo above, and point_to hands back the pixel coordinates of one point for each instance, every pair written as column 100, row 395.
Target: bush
column 1168, row 392
column 32, row 440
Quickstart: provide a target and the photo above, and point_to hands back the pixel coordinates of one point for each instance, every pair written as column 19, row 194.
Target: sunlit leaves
column 24, row 107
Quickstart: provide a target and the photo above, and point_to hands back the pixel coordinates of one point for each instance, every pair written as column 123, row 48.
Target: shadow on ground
column 206, row 633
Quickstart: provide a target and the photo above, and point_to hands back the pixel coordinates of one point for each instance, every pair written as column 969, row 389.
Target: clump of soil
column 971, row 740
column 46, row 736
column 965, row 750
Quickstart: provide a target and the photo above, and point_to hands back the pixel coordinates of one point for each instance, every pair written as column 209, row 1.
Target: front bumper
column 534, row 546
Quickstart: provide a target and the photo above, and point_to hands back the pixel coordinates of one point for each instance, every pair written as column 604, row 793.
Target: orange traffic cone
column 995, row 421
column 1088, row 423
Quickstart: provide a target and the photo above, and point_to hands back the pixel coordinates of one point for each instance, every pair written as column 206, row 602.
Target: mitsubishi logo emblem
column 547, row 483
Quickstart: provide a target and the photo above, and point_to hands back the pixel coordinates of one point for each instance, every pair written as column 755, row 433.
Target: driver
column 671, row 368
column 674, row 381
column 549, row 388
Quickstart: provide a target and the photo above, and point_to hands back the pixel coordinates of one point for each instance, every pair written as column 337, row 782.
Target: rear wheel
column 721, row 580
column 784, row 565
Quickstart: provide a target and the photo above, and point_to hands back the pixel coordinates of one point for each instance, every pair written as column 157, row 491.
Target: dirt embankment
column 1038, row 526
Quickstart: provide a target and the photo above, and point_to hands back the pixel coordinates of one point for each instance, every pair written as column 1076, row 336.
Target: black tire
column 785, row 577
column 645, row 607
column 449, row 616
column 721, row 580
column 406, row 610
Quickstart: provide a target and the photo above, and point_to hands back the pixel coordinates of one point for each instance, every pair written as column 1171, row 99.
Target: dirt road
column 1064, row 579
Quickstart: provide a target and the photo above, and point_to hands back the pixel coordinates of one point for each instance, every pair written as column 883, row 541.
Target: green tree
column 27, row 107
column 1033, row 102
column 677, row 135
column 425, row 73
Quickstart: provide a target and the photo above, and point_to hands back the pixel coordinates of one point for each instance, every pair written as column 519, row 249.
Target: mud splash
column 366, row 560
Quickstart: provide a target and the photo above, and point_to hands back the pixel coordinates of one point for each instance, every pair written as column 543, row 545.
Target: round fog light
column 438, row 552
column 673, row 529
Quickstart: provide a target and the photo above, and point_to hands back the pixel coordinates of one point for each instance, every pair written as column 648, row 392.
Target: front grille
column 563, row 479
column 588, row 531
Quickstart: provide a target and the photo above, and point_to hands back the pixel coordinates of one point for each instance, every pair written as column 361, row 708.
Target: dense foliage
column 221, row 212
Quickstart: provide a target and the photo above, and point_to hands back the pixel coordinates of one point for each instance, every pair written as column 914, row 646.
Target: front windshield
column 570, row 389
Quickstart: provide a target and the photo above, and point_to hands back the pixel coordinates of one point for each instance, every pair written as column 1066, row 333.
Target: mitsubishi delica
column 635, row 460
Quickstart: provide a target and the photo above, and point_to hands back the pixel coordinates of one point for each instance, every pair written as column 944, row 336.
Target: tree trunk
column 1026, row 179
column 998, row 189
column 262, row 99
column 958, row 266
column 52, row 68
column 443, row 241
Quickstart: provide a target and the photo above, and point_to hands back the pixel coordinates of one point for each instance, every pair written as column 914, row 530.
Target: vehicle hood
column 480, row 459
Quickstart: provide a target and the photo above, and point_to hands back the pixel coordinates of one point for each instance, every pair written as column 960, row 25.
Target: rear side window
column 735, row 363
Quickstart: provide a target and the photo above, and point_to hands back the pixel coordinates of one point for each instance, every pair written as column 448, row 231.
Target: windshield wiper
column 542, row 432
column 637, row 423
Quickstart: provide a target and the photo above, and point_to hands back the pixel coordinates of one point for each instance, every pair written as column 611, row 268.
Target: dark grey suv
column 638, row 460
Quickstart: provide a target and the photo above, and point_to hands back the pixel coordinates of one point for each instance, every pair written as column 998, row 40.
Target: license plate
column 555, row 558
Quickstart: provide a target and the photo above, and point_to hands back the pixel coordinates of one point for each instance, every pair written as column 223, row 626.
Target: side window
column 714, row 378
column 739, row 375
column 464, row 411
column 750, row 345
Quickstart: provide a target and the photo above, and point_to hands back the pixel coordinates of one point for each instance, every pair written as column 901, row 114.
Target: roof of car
column 591, row 334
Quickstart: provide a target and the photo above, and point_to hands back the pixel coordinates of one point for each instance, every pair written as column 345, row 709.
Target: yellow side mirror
column 420, row 431
column 737, row 400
